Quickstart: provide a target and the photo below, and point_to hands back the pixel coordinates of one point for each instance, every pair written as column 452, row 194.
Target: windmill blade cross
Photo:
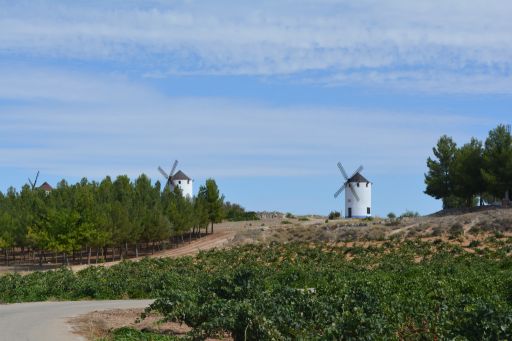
column 342, row 170
column 338, row 192
column 163, row 172
column 31, row 184
column 354, row 193
column 174, row 167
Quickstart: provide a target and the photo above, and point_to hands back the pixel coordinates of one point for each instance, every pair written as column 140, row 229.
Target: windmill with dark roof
column 178, row 179
column 358, row 197
column 45, row 186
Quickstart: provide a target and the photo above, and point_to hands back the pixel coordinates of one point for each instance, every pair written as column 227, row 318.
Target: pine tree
column 181, row 212
column 201, row 210
column 497, row 172
column 438, row 179
column 7, row 233
column 466, row 175
column 214, row 202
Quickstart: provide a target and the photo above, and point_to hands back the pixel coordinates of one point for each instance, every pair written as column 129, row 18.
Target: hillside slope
column 457, row 227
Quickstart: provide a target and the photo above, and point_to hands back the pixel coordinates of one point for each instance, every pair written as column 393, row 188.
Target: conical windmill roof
column 180, row 176
column 46, row 186
column 358, row 178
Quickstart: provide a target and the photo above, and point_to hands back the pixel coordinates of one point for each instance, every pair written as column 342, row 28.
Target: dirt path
column 218, row 239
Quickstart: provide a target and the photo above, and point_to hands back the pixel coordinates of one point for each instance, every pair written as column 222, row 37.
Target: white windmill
column 178, row 179
column 358, row 197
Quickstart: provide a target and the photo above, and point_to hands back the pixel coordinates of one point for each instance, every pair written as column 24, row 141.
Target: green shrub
column 456, row 230
column 475, row 230
column 411, row 233
column 396, row 236
column 130, row 334
column 438, row 231
column 393, row 223
column 375, row 233
column 499, row 234
column 334, row 215
column 474, row 243
column 235, row 212
column 409, row 214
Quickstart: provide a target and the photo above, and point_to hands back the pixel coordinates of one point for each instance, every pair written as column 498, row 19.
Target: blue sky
column 264, row 98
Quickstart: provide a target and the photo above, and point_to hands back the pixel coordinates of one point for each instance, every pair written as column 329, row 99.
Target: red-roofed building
column 46, row 187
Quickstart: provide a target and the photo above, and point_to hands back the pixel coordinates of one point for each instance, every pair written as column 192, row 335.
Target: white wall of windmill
column 358, row 209
column 186, row 187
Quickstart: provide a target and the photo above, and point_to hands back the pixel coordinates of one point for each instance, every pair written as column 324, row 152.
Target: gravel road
column 41, row 321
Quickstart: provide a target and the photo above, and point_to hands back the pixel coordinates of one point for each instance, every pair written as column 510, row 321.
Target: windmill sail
column 33, row 184
column 338, row 192
column 169, row 177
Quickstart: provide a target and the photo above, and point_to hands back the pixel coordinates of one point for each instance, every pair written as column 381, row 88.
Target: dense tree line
column 96, row 217
column 462, row 175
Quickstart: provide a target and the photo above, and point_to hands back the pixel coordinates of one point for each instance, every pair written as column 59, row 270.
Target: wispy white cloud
column 426, row 81
column 433, row 45
column 28, row 83
column 113, row 126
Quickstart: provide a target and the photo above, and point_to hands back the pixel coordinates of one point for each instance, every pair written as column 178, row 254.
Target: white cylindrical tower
column 361, row 208
column 185, row 183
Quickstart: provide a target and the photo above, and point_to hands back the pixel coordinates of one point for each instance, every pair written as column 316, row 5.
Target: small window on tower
column 179, row 182
column 367, row 210
column 367, row 184
column 358, row 184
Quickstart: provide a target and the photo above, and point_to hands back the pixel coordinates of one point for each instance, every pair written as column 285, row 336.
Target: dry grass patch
column 99, row 324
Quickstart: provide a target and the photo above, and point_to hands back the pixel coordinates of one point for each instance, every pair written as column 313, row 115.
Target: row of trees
column 91, row 216
column 462, row 175
column 235, row 212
